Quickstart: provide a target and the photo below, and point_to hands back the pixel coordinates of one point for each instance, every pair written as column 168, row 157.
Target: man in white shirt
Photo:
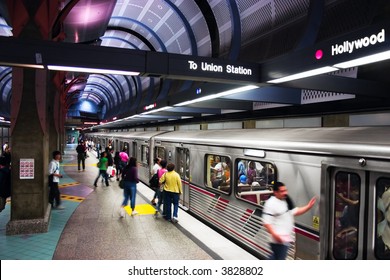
column 278, row 218
column 54, row 179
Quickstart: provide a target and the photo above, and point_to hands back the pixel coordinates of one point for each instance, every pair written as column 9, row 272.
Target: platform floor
column 90, row 227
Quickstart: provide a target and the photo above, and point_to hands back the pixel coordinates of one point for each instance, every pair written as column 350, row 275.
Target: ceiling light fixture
column 91, row 70
column 364, row 60
column 314, row 72
column 156, row 110
column 217, row 95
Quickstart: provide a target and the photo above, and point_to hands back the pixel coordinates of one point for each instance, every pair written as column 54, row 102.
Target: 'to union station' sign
column 211, row 67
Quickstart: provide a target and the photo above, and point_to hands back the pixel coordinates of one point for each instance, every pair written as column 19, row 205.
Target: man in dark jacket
column 5, row 182
column 81, row 153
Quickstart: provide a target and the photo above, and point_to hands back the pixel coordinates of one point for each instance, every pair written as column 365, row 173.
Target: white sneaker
column 175, row 220
column 122, row 212
column 134, row 212
column 60, row 207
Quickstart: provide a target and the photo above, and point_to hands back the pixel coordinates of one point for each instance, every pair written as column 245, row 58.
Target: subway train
column 227, row 176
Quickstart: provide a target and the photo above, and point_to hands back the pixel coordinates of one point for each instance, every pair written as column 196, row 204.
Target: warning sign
column 316, row 222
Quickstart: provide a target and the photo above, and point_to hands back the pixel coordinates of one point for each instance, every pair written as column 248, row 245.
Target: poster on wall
column 26, row 168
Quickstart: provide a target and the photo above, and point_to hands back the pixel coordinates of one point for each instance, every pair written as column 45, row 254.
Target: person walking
column 160, row 190
column 81, row 153
column 156, row 167
column 278, row 216
column 130, row 178
column 124, row 159
column 54, row 179
column 172, row 189
column 102, row 165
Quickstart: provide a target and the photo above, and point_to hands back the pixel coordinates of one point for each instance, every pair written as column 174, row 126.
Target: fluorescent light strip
column 305, row 74
column 217, row 95
column 156, row 110
column 91, row 70
column 364, row 60
column 36, row 66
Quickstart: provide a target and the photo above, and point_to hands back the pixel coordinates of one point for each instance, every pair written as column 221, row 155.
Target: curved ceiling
column 253, row 30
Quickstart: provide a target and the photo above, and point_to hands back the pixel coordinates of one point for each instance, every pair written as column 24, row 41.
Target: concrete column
column 30, row 209
column 30, row 141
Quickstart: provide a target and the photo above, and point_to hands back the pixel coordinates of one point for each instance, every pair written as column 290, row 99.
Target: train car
column 346, row 168
column 138, row 144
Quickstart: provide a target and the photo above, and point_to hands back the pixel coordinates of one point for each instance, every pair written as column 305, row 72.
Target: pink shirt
column 124, row 156
column 161, row 172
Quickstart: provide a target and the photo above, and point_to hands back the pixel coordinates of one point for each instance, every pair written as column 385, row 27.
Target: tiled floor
column 90, row 227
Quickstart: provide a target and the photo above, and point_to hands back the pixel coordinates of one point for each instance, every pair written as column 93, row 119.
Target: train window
column 145, row 154
column 183, row 163
column 134, row 150
column 126, row 146
column 218, row 173
column 160, row 152
column 346, row 217
column 382, row 218
column 254, row 180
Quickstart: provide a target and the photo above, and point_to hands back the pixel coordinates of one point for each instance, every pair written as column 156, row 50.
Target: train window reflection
column 145, row 154
column 382, row 240
column 218, row 173
column 346, row 218
column 183, row 163
column 160, row 152
column 254, row 180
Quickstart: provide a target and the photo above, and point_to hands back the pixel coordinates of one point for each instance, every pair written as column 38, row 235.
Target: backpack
column 154, row 181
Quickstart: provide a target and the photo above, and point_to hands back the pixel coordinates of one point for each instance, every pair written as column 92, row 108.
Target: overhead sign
column 350, row 46
column 205, row 68
column 211, row 67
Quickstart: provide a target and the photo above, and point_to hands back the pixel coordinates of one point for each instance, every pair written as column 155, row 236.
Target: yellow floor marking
column 142, row 209
column 69, row 185
column 72, row 198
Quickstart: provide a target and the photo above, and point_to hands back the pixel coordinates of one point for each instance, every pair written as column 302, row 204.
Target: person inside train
column 383, row 224
column 251, row 172
column 241, row 169
column 243, row 185
column 347, row 206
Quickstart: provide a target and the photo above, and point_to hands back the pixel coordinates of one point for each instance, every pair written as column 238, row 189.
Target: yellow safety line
column 142, row 209
column 69, row 185
column 72, row 198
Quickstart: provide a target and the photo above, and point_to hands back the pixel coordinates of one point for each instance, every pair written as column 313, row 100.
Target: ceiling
column 276, row 35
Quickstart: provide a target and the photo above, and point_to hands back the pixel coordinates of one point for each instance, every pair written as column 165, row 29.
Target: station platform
column 90, row 226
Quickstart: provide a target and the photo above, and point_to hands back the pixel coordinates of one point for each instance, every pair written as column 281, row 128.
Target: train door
column 127, row 147
column 378, row 230
column 183, row 168
column 134, row 149
column 347, row 216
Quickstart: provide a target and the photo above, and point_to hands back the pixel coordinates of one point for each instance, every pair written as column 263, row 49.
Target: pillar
column 30, row 210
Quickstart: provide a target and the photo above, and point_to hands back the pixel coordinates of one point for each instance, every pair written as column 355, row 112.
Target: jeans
column 160, row 196
column 54, row 194
column 171, row 197
column 105, row 176
column 279, row 251
column 81, row 159
column 129, row 192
